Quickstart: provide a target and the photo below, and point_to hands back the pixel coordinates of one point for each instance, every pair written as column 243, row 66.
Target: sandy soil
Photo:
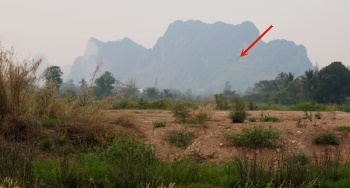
column 211, row 145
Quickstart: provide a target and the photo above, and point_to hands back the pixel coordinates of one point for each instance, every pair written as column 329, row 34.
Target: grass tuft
column 343, row 128
column 180, row 138
column 256, row 137
column 326, row 139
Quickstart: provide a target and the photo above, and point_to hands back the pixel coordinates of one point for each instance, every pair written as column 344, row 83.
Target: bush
column 268, row 118
column 252, row 119
column 181, row 112
column 221, row 102
column 256, row 137
column 157, row 124
column 326, row 139
column 331, row 111
column 252, row 105
column 318, row 115
column 180, row 138
column 299, row 159
column 238, row 112
column 201, row 115
column 343, row 128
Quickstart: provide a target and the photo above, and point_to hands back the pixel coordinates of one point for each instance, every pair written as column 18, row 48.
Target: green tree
column 333, row 84
column 53, row 76
column 152, row 93
column 309, row 82
column 104, row 85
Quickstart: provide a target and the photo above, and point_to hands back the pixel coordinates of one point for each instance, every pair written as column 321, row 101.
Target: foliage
column 326, row 139
column 221, row 102
column 268, row 118
column 318, row 115
column 129, row 162
column 128, row 90
column 331, row 111
column 329, row 85
column 256, row 137
column 201, row 115
column 333, row 84
column 238, row 112
column 151, row 93
column 158, row 124
column 343, row 128
column 53, row 76
column 104, row 84
column 252, row 119
column 252, row 105
column 16, row 163
column 181, row 112
column 180, row 138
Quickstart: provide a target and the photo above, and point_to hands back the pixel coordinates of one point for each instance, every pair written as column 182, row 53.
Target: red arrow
column 244, row 52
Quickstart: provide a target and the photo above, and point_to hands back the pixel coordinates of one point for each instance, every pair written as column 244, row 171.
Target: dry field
column 211, row 145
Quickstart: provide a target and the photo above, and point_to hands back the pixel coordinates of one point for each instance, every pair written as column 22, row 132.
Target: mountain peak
column 196, row 55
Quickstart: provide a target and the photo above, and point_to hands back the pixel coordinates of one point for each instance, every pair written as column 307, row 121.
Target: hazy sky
column 61, row 29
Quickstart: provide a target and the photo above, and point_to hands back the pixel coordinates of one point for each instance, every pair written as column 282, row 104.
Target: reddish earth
column 211, row 144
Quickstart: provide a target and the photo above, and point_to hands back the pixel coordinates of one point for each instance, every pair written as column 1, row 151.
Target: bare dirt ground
column 211, row 145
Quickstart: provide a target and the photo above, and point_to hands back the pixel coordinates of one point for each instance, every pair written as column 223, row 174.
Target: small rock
column 293, row 141
column 278, row 150
column 299, row 132
column 221, row 144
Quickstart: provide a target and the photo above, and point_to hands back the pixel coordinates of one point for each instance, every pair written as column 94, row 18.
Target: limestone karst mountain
column 195, row 55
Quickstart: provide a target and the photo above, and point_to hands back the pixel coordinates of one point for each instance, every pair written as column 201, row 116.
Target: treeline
column 107, row 85
column 331, row 84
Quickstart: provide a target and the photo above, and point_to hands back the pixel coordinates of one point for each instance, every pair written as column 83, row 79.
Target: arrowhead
column 243, row 53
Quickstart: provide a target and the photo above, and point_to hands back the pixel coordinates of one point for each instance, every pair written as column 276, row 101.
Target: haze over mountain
column 195, row 55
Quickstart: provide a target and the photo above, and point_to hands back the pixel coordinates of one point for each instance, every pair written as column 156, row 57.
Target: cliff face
column 194, row 55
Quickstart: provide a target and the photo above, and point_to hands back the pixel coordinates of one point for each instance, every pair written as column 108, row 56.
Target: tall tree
column 104, row 85
column 53, row 76
column 333, row 84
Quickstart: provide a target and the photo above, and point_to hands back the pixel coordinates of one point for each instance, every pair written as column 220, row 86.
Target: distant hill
column 195, row 55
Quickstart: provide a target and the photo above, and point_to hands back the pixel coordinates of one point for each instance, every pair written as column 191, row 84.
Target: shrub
column 300, row 159
column 201, row 115
column 326, row 139
column 157, row 124
column 181, row 112
column 308, row 115
column 331, row 110
column 343, row 128
column 252, row 119
column 160, row 104
column 238, row 112
column 256, row 137
column 221, row 102
column 180, row 138
column 268, row 118
column 318, row 115
column 252, row 105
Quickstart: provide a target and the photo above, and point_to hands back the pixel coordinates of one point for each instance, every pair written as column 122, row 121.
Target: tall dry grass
column 27, row 105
